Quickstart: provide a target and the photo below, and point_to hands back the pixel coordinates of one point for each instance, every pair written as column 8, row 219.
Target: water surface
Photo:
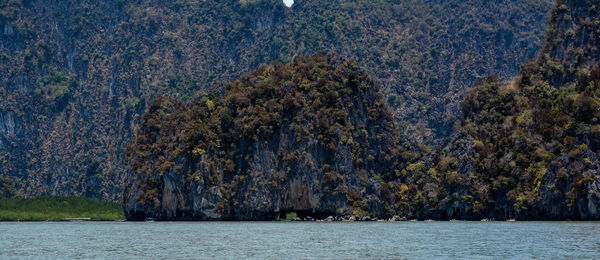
column 280, row 240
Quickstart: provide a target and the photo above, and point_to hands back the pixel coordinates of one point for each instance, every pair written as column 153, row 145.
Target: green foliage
column 57, row 209
column 55, row 87
column 290, row 215
column 7, row 188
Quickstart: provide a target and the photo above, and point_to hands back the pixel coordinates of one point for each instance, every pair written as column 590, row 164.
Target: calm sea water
column 281, row 240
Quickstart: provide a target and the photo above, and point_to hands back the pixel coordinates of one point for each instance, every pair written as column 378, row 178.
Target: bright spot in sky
column 288, row 3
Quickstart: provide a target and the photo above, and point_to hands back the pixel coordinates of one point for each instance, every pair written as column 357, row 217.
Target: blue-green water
column 280, row 240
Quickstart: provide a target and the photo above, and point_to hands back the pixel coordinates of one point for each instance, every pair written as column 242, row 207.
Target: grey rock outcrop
column 570, row 189
column 308, row 163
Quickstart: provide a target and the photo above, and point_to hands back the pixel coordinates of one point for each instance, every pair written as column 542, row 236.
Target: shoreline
column 290, row 221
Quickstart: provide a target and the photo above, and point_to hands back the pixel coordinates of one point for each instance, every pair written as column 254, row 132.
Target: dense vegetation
column 304, row 133
column 7, row 188
column 75, row 76
column 317, row 121
column 57, row 209
column 526, row 150
column 530, row 149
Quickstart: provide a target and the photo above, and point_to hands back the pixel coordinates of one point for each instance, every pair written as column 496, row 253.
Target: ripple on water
column 274, row 240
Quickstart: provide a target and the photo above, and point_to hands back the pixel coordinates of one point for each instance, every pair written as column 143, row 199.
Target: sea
column 300, row 240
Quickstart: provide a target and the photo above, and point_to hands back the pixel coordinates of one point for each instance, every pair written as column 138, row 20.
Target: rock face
column 570, row 188
column 7, row 123
column 7, row 129
column 312, row 137
column 11, row 129
column 115, row 56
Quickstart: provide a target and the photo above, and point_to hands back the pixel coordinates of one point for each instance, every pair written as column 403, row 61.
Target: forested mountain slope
column 530, row 149
column 76, row 75
column 314, row 136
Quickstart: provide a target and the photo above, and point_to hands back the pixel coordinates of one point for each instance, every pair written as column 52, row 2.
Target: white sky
column 288, row 3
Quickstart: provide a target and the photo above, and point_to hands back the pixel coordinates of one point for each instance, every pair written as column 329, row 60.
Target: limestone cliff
column 530, row 150
column 77, row 75
column 312, row 136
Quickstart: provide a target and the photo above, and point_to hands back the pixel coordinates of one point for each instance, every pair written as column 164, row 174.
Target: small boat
column 511, row 220
column 413, row 220
column 150, row 220
column 429, row 220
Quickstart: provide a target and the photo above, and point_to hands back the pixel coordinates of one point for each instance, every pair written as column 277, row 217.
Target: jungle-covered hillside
column 76, row 75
